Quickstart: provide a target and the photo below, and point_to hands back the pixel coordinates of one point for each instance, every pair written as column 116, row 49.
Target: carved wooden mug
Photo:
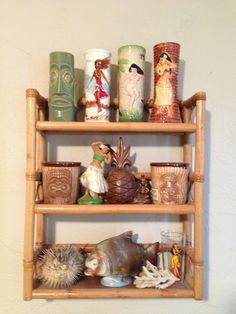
column 60, row 182
column 170, row 182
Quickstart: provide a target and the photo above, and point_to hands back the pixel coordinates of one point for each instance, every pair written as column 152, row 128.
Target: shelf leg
column 40, row 157
column 187, row 157
column 198, row 199
column 31, row 96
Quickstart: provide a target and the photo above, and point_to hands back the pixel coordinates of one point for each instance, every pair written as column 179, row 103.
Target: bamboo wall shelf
column 37, row 125
column 115, row 127
column 91, row 288
column 118, row 209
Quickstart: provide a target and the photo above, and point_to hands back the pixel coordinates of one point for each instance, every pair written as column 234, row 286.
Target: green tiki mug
column 61, row 87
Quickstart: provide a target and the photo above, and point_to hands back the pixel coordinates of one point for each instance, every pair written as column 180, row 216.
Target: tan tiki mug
column 166, row 64
column 60, row 182
column 169, row 183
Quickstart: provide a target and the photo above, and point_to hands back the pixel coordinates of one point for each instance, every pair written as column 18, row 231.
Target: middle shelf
column 116, row 127
column 115, row 209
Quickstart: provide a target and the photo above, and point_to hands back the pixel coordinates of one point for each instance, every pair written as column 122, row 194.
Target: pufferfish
column 119, row 255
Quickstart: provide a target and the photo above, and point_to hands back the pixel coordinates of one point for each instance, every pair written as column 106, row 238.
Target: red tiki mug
column 166, row 61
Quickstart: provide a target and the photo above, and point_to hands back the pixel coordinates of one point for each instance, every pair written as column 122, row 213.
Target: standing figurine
column 93, row 178
column 175, row 260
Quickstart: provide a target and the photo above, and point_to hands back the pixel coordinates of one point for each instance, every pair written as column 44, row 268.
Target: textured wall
column 30, row 30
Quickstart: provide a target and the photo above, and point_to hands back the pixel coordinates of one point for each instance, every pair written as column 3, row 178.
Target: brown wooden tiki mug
column 165, row 106
column 60, row 182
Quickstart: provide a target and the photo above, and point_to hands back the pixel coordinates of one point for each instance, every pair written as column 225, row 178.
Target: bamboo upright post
column 187, row 157
column 40, row 157
column 31, row 96
column 198, row 198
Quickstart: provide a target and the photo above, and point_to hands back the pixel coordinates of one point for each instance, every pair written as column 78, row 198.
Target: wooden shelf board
column 115, row 209
column 90, row 287
column 115, row 127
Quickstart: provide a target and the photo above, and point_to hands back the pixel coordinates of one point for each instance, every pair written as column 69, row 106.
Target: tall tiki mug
column 97, row 85
column 166, row 62
column 131, row 82
column 61, row 87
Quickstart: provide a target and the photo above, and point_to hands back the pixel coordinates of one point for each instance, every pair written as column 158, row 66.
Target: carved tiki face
column 62, row 86
column 59, row 184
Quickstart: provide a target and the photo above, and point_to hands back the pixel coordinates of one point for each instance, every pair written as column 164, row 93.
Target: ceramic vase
column 60, row 182
column 97, row 85
column 173, row 252
column 131, row 82
column 169, row 183
column 61, row 100
column 166, row 63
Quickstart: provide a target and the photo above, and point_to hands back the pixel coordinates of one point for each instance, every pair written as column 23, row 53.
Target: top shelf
column 115, row 127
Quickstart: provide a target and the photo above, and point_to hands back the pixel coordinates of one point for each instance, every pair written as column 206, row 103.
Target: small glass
column 173, row 252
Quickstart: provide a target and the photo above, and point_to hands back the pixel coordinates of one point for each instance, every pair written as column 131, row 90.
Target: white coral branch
column 151, row 276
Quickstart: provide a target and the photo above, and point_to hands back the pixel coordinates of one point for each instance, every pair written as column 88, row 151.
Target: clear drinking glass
column 173, row 252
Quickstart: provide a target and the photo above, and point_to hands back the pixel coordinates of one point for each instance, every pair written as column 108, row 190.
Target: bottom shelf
column 90, row 287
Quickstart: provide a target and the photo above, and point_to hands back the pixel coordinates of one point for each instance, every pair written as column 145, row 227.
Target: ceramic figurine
column 121, row 183
column 97, row 85
column 120, row 257
column 61, row 100
column 143, row 193
column 60, row 267
column 60, row 182
column 131, row 82
column 166, row 60
column 169, row 182
column 93, row 178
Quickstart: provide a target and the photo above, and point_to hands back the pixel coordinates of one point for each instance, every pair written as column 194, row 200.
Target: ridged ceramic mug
column 166, row 65
column 169, row 182
column 60, row 182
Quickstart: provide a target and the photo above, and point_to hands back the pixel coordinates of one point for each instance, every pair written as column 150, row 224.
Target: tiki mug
column 60, row 182
column 169, row 183
column 131, row 82
column 166, row 62
column 61, row 100
column 97, row 85
column 173, row 252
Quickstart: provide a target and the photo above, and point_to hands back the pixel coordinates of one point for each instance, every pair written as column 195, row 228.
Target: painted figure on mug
column 133, row 82
column 164, row 93
column 98, row 75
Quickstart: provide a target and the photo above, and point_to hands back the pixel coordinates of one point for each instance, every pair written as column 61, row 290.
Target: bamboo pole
column 91, row 288
column 198, row 199
column 114, row 209
column 115, row 127
column 40, row 157
column 187, row 157
column 31, row 96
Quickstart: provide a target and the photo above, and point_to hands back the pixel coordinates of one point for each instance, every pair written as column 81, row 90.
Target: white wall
column 29, row 31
